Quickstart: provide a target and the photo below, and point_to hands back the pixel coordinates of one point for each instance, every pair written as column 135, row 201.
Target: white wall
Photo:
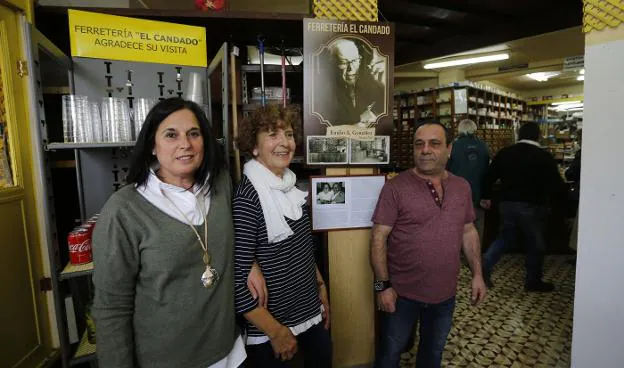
column 598, row 336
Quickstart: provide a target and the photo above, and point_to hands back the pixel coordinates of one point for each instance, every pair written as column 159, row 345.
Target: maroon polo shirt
column 425, row 242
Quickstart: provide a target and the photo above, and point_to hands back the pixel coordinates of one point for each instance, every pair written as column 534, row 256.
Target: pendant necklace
column 210, row 275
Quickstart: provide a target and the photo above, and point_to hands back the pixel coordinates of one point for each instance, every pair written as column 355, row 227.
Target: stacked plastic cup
column 116, row 125
column 142, row 107
column 76, row 117
column 96, row 122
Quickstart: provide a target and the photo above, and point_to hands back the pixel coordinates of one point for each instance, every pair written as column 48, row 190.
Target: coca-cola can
column 89, row 227
column 79, row 242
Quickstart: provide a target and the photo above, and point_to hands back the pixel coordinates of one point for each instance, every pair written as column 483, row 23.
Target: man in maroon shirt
column 423, row 219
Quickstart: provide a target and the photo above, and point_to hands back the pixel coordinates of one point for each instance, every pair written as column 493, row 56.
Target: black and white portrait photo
column 348, row 77
column 352, row 79
column 330, row 192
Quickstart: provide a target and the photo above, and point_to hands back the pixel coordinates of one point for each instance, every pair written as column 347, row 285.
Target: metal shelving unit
column 59, row 146
column 72, row 270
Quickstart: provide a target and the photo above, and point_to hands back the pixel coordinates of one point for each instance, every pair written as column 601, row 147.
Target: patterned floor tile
column 513, row 328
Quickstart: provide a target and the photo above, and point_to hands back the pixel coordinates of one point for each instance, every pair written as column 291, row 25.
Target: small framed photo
column 376, row 152
column 330, row 192
column 327, row 150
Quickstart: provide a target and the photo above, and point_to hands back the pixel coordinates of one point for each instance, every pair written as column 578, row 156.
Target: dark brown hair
column 265, row 119
column 142, row 158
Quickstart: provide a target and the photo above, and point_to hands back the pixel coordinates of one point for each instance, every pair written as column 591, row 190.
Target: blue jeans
column 526, row 219
column 315, row 343
column 435, row 324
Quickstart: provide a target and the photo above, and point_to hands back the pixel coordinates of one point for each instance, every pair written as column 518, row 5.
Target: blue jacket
column 470, row 158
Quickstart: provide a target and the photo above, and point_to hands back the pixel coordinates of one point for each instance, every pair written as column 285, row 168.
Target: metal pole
column 283, row 75
column 261, row 54
column 237, row 163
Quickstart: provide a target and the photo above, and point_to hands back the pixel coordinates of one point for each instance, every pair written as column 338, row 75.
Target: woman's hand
column 325, row 302
column 257, row 285
column 284, row 343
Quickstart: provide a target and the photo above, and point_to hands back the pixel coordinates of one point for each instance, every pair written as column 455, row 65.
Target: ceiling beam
column 461, row 7
column 492, row 35
column 533, row 67
column 416, row 74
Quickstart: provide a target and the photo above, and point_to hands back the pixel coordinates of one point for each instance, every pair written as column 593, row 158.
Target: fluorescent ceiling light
column 566, row 102
column 580, row 78
column 569, row 107
column 542, row 76
column 582, row 71
column 466, row 61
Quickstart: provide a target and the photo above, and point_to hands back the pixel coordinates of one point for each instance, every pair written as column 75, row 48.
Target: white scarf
column 278, row 197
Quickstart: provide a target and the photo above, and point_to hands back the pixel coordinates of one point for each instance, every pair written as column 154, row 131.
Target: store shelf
column 270, row 68
column 57, row 146
column 72, row 270
column 85, row 351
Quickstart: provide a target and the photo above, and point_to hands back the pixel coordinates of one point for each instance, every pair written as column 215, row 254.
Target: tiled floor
column 512, row 328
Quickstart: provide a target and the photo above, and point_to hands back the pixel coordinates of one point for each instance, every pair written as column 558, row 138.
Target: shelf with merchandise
column 85, row 352
column 73, row 270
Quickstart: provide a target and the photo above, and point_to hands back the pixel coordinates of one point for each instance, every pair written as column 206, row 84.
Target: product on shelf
column 90, row 325
column 79, row 242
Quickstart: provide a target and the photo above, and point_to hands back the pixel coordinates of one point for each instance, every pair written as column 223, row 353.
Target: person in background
column 339, row 194
column 326, row 195
column 470, row 159
column 573, row 175
column 272, row 228
column 423, row 219
column 529, row 178
column 163, row 251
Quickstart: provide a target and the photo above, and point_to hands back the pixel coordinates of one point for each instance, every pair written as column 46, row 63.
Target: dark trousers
column 526, row 219
column 315, row 344
column 435, row 321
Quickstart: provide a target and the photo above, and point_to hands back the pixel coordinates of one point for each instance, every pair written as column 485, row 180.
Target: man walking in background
column 423, row 219
column 470, row 158
column 529, row 177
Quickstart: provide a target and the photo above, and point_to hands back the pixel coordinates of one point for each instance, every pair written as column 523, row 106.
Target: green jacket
column 470, row 158
column 150, row 308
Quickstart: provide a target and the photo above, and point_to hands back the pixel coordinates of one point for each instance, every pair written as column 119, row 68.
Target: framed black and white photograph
column 349, row 80
column 376, row 152
column 327, row 150
column 330, row 192
column 344, row 202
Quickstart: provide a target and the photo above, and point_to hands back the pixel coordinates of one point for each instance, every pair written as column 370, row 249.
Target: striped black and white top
column 288, row 267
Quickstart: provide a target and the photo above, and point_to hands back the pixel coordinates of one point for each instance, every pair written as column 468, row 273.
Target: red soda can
column 79, row 242
column 89, row 228
column 91, row 222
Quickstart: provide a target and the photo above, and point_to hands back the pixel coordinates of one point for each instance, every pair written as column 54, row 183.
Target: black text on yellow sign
column 112, row 37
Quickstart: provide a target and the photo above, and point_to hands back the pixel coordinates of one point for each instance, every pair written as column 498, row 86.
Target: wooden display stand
column 352, row 300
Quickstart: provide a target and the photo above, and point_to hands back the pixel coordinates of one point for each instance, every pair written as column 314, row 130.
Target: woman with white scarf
column 272, row 228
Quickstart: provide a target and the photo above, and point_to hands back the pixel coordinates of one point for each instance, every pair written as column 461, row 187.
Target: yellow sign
column 104, row 36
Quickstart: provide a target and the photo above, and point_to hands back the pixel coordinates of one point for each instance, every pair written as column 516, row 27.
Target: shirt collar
column 528, row 141
column 154, row 183
column 445, row 176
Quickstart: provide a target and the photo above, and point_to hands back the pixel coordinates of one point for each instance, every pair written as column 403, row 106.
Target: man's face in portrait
column 348, row 60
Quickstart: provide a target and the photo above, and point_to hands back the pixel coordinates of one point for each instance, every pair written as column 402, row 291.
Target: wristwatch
column 381, row 285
